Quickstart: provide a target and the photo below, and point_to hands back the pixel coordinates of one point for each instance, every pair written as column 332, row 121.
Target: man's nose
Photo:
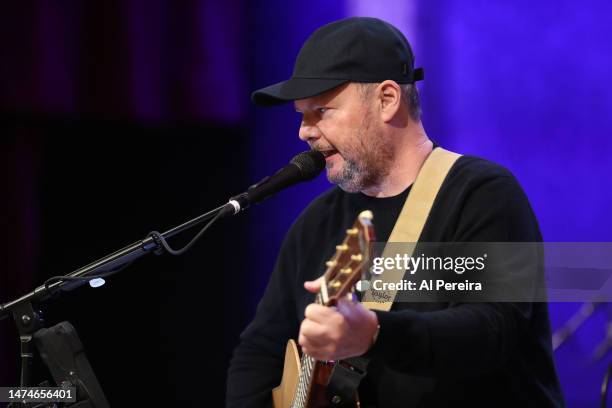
column 308, row 134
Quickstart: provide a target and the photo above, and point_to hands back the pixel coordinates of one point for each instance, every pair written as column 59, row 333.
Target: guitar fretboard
column 307, row 365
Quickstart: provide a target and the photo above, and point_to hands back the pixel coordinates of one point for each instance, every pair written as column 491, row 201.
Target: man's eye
column 322, row 110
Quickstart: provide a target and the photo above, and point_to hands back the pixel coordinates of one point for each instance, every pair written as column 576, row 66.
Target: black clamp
column 344, row 381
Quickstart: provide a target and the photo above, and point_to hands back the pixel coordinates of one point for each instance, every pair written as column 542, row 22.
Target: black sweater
column 475, row 354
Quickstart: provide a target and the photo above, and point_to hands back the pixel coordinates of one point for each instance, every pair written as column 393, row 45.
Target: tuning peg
column 367, row 215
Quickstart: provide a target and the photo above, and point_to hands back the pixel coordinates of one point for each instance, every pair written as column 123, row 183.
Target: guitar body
column 282, row 396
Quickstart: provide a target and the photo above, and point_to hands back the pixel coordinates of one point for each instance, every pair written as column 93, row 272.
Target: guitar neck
column 344, row 269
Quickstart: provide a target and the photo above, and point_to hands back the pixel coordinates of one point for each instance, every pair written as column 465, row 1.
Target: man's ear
column 389, row 97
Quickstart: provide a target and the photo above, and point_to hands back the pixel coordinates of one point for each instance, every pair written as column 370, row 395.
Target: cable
column 160, row 240
column 84, row 278
column 604, row 386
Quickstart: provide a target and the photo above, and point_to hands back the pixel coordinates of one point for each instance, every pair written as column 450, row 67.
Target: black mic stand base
column 62, row 352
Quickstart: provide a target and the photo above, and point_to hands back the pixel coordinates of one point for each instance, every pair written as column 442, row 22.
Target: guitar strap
column 410, row 222
column 345, row 378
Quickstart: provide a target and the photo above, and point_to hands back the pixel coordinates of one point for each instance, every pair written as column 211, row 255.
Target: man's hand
column 336, row 333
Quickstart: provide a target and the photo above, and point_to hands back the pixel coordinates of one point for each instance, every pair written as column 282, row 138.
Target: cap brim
column 293, row 89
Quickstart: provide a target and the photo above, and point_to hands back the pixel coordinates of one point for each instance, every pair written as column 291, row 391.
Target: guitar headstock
column 347, row 265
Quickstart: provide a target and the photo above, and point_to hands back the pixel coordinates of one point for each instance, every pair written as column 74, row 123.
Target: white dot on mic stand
column 97, row 282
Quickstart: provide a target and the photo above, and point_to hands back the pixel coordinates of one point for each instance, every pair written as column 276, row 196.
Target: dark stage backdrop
column 161, row 331
column 116, row 118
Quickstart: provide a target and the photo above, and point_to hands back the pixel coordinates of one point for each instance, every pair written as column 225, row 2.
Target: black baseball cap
column 356, row 49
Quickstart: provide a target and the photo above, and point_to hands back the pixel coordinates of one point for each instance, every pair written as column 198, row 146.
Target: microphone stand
column 30, row 325
column 60, row 345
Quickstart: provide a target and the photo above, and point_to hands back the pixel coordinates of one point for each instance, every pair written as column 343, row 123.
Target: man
column 353, row 83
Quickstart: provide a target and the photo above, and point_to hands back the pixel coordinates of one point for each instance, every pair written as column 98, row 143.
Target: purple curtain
column 145, row 60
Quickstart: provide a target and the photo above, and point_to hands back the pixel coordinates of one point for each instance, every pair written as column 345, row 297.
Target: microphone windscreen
column 311, row 163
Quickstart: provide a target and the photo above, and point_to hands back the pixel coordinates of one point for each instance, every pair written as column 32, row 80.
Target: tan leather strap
column 411, row 221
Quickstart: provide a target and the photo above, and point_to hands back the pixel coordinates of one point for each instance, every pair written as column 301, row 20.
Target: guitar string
column 306, row 372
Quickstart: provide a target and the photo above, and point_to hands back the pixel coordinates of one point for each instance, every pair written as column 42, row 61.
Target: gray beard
column 371, row 169
column 351, row 179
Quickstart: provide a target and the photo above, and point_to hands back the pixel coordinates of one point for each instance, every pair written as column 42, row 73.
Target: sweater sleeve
column 466, row 338
column 257, row 363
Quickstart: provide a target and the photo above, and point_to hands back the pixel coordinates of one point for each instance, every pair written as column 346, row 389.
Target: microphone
column 303, row 167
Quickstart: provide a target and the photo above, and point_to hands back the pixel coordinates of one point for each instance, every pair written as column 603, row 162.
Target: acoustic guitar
column 305, row 379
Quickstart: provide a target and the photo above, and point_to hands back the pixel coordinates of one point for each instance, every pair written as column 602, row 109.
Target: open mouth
column 328, row 153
